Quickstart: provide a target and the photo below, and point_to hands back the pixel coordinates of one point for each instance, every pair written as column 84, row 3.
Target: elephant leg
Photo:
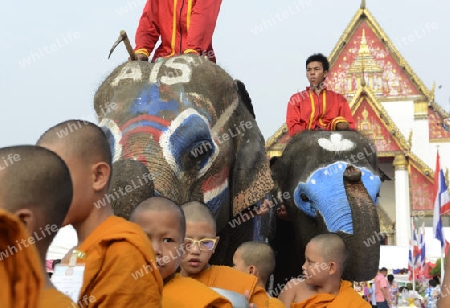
column 288, row 256
column 230, row 239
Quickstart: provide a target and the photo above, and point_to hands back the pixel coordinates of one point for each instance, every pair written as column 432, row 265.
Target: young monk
column 37, row 189
column 258, row 259
column 165, row 225
column 200, row 241
column 113, row 247
column 325, row 256
column 23, row 268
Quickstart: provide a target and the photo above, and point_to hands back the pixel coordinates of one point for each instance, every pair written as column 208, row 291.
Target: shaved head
column 260, row 255
column 332, row 248
column 38, row 180
column 161, row 204
column 82, row 139
column 198, row 212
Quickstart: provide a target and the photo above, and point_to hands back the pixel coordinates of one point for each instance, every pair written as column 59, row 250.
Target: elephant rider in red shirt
column 318, row 108
column 184, row 26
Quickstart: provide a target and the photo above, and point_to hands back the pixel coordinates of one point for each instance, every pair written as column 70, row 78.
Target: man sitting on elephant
column 318, row 108
column 183, row 28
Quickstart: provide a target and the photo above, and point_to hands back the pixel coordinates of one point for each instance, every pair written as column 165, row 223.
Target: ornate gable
column 436, row 116
column 365, row 49
column 421, row 179
column 373, row 121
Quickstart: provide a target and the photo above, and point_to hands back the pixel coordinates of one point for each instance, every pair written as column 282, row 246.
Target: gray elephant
column 330, row 182
column 193, row 127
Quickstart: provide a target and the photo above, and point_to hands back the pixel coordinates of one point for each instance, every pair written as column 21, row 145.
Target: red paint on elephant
column 215, row 180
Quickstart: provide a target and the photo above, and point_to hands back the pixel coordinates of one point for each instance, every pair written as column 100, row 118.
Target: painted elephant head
column 193, row 127
column 330, row 183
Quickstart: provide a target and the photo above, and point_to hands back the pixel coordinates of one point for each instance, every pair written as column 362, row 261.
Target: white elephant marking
column 336, row 143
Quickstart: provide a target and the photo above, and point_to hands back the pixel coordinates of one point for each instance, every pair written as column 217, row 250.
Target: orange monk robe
column 120, row 268
column 184, row 292
column 228, row 278
column 22, row 277
column 55, row 299
column 275, row 303
column 347, row 297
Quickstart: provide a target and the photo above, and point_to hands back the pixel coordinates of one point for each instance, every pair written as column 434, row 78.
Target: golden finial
column 431, row 93
column 410, row 139
column 363, row 4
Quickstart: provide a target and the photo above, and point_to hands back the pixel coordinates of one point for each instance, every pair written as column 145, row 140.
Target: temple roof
column 364, row 30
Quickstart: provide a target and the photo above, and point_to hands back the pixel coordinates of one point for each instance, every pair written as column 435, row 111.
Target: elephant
column 193, row 127
column 330, row 182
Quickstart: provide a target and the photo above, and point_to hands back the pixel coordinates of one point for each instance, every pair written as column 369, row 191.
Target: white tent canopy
column 394, row 257
column 65, row 239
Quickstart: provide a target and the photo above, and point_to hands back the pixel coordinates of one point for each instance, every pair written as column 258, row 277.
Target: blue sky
column 54, row 53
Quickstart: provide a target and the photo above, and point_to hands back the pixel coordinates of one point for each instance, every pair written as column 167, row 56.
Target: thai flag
column 441, row 201
column 422, row 247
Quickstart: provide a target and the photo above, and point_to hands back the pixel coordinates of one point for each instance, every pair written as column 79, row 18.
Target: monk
column 200, row 241
column 165, row 225
column 325, row 257
column 258, row 259
column 36, row 192
column 23, row 267
column 113, row 248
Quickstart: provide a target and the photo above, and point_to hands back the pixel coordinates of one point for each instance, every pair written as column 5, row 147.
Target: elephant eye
column 202, row 150
column 304, row 197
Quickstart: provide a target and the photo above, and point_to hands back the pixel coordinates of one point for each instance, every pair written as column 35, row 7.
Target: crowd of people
column 158, row 256
column 384, row 291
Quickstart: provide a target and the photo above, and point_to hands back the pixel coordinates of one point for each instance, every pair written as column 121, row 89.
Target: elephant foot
column 352, row 174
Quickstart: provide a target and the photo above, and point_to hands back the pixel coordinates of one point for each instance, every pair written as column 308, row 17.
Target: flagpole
column 413, row 256
column 442, row 263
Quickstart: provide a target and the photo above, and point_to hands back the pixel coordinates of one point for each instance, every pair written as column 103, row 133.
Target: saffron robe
column 184, row 292
column 228, row 278
column 55, row 299
column 308, row 111
column 347, row 297
column 275, row 303
column 22, row 278
column 121, row 267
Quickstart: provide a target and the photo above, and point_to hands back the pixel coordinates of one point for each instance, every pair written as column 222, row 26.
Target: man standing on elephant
column 184, row 26
column 318, row 108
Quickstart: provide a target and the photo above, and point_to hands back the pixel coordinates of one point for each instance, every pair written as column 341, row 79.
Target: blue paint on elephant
column 324, row 193
column 193, row 134
column 149, row 101
column 215, row 203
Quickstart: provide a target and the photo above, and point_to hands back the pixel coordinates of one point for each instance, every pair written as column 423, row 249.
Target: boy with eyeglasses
column 201, row 241
column 164, row 223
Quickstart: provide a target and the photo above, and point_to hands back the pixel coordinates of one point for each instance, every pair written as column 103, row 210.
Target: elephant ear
column 130, row 185
column 251, row 178
column 245, row 97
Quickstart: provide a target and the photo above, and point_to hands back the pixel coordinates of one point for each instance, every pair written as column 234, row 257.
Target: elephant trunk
column 363, row 244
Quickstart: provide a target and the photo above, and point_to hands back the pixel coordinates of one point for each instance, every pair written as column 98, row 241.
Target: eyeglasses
column 204, row 244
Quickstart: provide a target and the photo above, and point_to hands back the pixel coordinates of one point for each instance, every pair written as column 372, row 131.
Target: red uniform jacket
column 185, row 26
column 308, row 111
